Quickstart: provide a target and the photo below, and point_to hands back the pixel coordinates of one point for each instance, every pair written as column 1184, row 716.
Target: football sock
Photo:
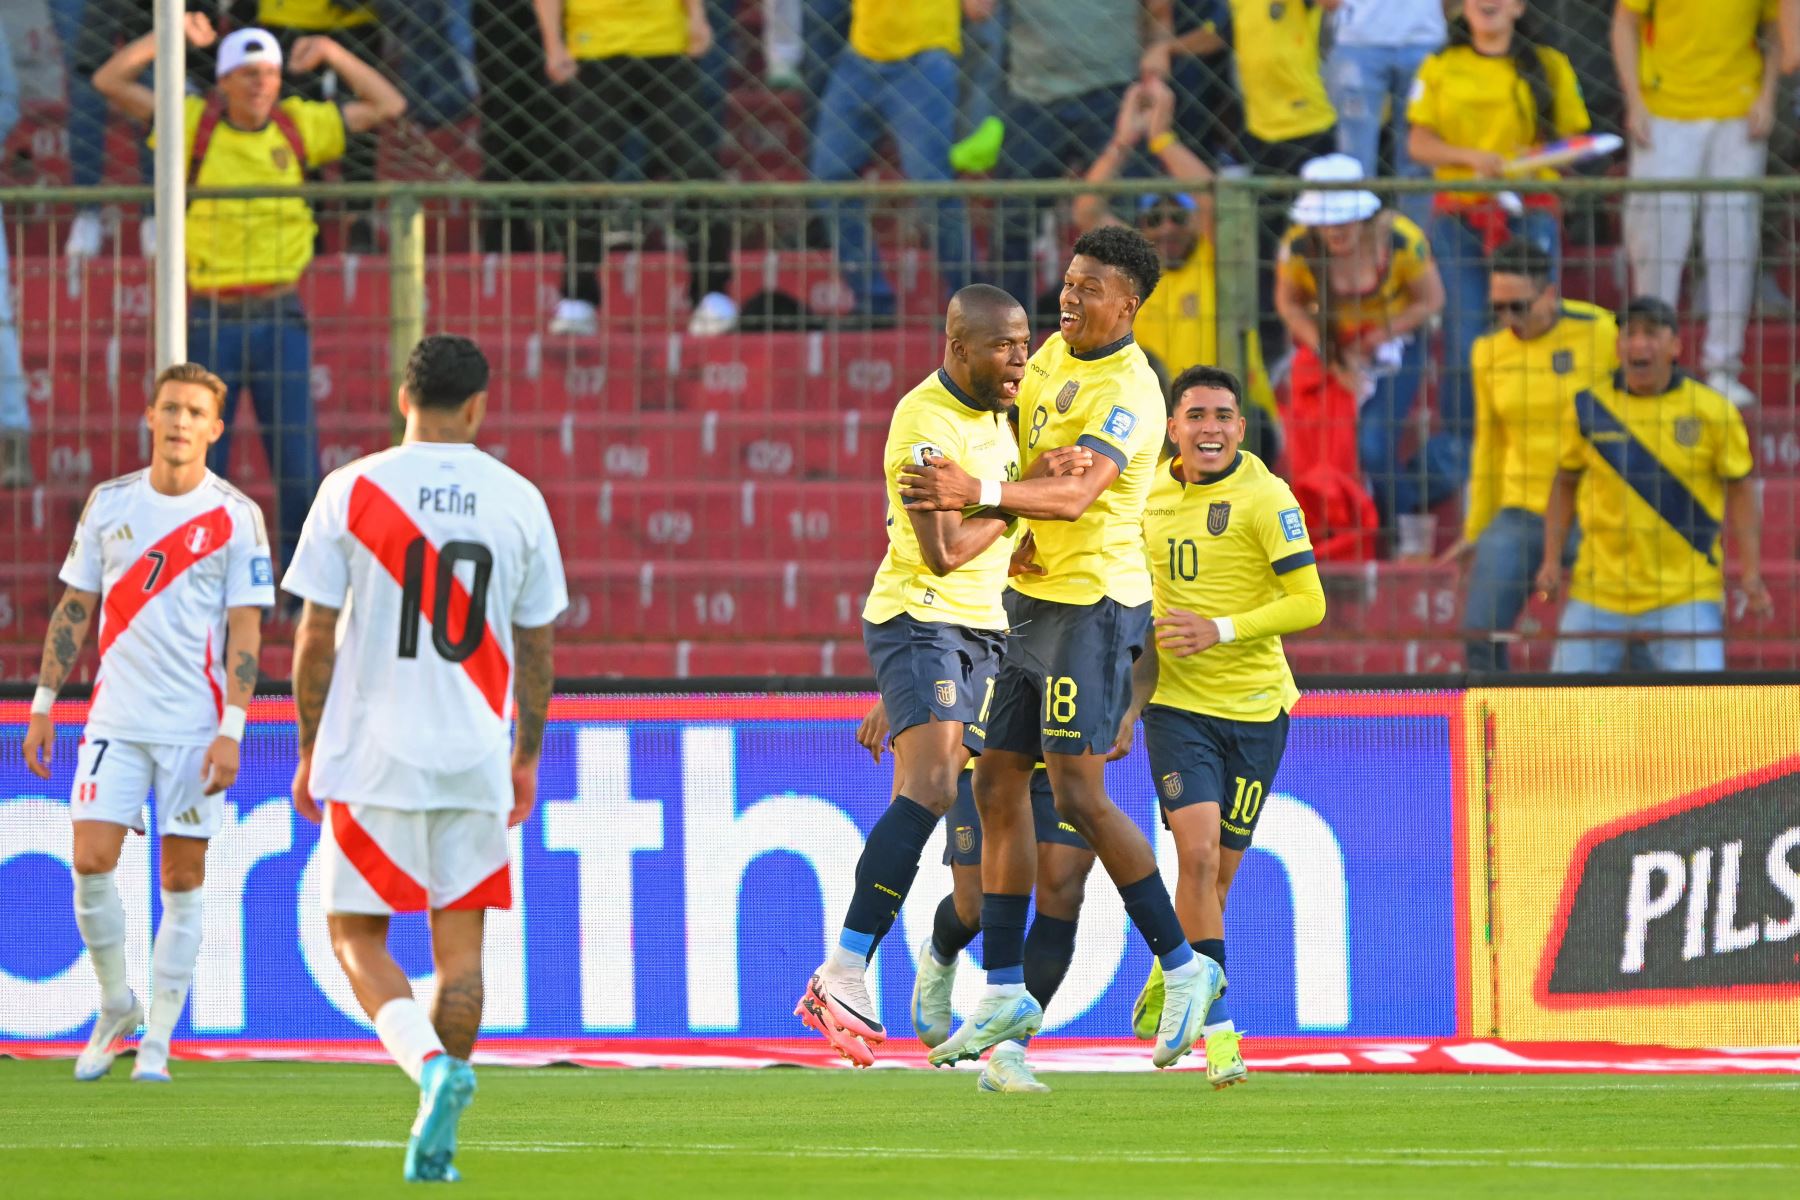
column 172, row 964
column 890, row 859
column 1049, row 947
column 101, row 918
column 407, row 1033
column 1003, row 938
column 1216, row 1016
column 949, row 936
column 1147, row 903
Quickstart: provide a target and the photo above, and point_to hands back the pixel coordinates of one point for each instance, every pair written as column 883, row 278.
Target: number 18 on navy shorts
column 927, row 669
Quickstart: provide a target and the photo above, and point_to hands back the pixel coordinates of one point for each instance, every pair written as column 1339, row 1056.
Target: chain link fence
column 702, row 301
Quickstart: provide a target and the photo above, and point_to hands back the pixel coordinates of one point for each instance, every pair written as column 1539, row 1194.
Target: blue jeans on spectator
column 436, row 46
column 85, row 45
column 1462, row 262
column 1681, row 637
column 1507, row 555
column 1434, row 473
column 983, row 71
column 15, row 414
column 915, row 99
column 264, row 344
column 1365, row 82
column 1042, row 140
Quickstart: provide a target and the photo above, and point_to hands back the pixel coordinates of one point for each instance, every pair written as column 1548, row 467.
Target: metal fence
column 719, row 495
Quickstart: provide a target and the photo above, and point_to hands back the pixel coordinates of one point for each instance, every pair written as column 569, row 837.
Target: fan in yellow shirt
column 245, row 257
column 1064, row 684
column 1527, row 373
column 1233, row 570
column 1661, row 465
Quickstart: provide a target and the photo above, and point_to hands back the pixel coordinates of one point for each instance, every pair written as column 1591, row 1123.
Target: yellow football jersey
column 939, row 418
column 1652, row 499
column 1109, row 401
column 1522, row 390
column 1220, row 549
column 1701, row 62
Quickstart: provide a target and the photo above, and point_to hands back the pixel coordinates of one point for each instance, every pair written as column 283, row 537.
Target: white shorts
column 114, row 778
column 388, row 860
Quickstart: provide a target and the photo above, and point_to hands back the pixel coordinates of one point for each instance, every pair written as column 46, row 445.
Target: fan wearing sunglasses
column 1542, row 351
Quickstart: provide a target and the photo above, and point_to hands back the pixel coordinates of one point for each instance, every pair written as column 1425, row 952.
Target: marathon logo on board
column 1698, row 899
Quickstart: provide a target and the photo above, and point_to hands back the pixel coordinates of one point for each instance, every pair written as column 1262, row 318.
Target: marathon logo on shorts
column 1171, row 785
column 1688, row 901
column 198, row 539
column 1218, row 516
column 965, row 838
column 1066, row 397
column 946, row 693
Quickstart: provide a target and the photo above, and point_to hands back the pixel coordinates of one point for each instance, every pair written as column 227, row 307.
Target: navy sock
column 1003, row 936
column 890, row 859
column 1048, row 948
column 1214, row 948
column 1147, row 903
column 948, row 933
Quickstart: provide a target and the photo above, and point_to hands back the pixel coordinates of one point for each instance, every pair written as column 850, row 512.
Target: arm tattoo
column 532, row 683
column 68, row 627
column 245, row 671
column 315, row 658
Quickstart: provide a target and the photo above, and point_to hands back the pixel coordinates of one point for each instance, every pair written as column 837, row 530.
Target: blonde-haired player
column 175, row 562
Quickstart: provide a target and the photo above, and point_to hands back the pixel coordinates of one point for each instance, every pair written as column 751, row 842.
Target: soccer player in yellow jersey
column 1065, row 683
column 1527, row 372
column 934, row 628
column 1232, row 571
column 1663, row 467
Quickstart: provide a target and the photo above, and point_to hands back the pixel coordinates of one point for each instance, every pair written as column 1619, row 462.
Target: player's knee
column 1199, row 859
column 181, row 876
column 1060, row 892
column 1079, row 806
column 932, row 787
column 89, row 861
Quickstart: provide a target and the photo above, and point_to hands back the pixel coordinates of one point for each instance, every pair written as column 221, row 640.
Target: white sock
column 407, row 1033
column 1190, row 967
column 848, row 960
column 939, row 959
column 1005, row 990
column 172, row 968
column 1228, row 1026
column 1010, row 1045
column 101, row 918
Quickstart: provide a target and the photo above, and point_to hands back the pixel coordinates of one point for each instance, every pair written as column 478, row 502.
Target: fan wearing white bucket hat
column 1354, row 283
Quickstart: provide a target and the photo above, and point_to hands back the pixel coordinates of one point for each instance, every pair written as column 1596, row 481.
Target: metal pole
column 171, row 183
column 406, row 296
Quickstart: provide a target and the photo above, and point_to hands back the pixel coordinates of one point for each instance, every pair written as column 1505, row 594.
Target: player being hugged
column 175, row 562
column 430, row 575
column 1065, row 684
column 1232, row 570
column 933, row 626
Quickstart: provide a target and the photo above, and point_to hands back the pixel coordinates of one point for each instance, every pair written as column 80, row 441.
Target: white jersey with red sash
column 167, row 568
column 434, row 551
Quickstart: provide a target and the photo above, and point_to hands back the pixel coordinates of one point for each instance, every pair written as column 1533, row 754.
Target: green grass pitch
column 257, row 1130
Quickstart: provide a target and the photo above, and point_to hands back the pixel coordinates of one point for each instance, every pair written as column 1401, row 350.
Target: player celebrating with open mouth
column 933, row 626
column 1232, row 570
column 176, row 562
column 1065, row 684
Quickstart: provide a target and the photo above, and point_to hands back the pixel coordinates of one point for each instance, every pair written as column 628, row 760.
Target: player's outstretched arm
column 1557, row 515
column 939, row 485
column 243, row 647
column 1143, row 686
column 68, row 629
column 315, row 659
column 949, row 540
column 533, row 678
column 1744, row 525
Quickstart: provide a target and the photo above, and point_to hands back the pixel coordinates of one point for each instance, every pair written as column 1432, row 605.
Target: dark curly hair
column 444, row 370
column 1124, row 248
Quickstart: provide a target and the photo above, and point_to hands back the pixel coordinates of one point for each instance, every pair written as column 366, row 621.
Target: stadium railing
column 718, row 495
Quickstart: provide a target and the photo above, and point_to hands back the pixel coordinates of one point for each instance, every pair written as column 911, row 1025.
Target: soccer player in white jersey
column 430, row 575
column 175, row 562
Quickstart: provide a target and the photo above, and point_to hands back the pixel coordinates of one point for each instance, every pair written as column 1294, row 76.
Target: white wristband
column 42, row 700
column 990, row 493
column 231, row 725
column 1227, row 629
